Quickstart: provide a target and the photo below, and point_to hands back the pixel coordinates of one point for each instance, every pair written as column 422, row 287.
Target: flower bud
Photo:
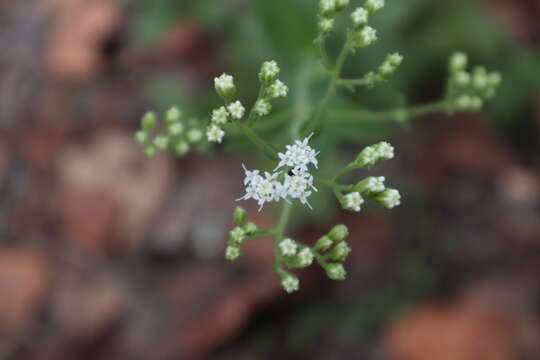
column 150, row 150
column 237, row 110
column 326, row 26
column 362, row 37
column 359, row 17
column 389, row 198
column 250, row 228
column 215, row 134
column 338, row 233
column 462, row 79
column 278, row 89
column 239, row 216
column 290, row 283
column 232, row 253
column 194, row 135
column 181, row 148
column 494, row 79
column 175, row 128
column 262, row 107
column 224, row 85
column 458, row 62
column 174, row 114
column 352, row 201
column 220, row 116
column 149, row 121
column 324, row 243
column 327, row 8
column 340, row 252
column 161, row 142
column 141, row 137
column 237, row 236
column 374, row 5
column 336, row 271
column 269, row 72
column 370, row 185
column 341, row 4
column 287, row 247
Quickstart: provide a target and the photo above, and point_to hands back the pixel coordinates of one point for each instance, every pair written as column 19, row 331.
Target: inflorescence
column 295, row 173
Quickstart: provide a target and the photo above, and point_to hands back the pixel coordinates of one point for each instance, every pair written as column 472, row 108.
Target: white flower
column 375, row 184
column 353, row 201
column 262, row 107
column 220, row 116
column 368, row 35
column 262, row 189
column 215, row 134
column 389, row 198
column 395, row 59
column 359, row 17
column 224, row 85
column 298, row 155
column 299, row 186
column 288, row 247
column 306, row 257
column 278, row 89
column 236, row 109
column 374, row 5
column 290, row 283
column 269, row 71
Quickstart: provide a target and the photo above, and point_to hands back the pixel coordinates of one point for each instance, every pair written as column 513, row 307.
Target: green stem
column 269, row 151
column 393, row 115
column 279, row 232
column 252, row 118
column 336, row 74
column 347, row 169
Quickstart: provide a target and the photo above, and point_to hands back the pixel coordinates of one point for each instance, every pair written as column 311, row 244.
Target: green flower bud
column 150, row 150
column 458, row 62
column 494, row 79
column 462, row 79
column 290, row 283
column 341, row 4
column 239, row 216
column 173, row 115
column 149, row 121
column 340, row 252
column 324, row 243
column 161, row 142
column 250, row 228
column 362, row 37
column 225, row 87
column 370, row 185
column 338, row 233
column 232, row 253
column 194, row 135
column 360, row 17
column 176, row 128
column 327, row 8
column 181, row 148
column 463, row 102
column 269, row 72
column 389, row 198
column 336, row 271
column 141, row 137
column 237, row 236
column 374, row 5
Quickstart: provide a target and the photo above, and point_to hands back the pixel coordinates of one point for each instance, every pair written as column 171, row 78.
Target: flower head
column 353, row 201
column 269, row 71
column 262, row 107
column 232, row 252
column 220, row 116
column 288, row 247
column 215, row 134
column 224, row 85
column 278, row 89
column 236, row 109
column 262, row 189
column 305, row 257
column 389, row 198
column 298, row 155
column 336, row 271
column 290, row 283
column 374, row 5
column 359, row 17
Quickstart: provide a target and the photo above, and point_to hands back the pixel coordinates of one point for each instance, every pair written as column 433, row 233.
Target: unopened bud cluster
column 175, row 133
column 384, row 71
column 233, row 109
column 468, row 90
column 243, row 231
column 372, row 187
column 362, row 34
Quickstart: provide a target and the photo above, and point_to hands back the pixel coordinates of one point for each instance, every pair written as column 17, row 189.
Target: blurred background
column 106, row 254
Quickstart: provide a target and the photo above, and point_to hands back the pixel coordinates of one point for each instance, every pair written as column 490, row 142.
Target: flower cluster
column 241, row 233
column 384, row 71
column 373, row 187
column 175, row 134
column 289, row 180
column 234, row 110
column 467, row 91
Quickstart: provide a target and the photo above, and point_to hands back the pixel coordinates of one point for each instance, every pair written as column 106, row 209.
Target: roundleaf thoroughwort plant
column 294, row 176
